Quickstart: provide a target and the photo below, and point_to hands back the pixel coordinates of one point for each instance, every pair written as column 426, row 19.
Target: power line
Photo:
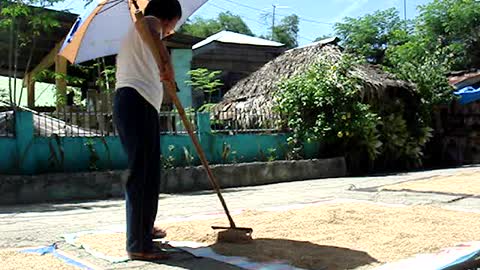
column 69, row 4
column 250, row 19
column 284, row 15
column 244, row 17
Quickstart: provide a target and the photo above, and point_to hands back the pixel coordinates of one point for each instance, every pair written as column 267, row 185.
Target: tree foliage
column 203, row 28
column 371, row 35
column 323, row 104
column 205, row 81
column 23, row 25
column 453, row 24
column 444, row 37
column 446, row 28
column 287, row 31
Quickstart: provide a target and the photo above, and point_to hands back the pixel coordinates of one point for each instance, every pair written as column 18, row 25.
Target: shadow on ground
column 54, row 207
column 297, row 253
column 188, row 261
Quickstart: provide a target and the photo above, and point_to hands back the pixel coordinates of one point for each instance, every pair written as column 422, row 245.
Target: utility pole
column 273, row 19
column 405, row 9
column 275, row 6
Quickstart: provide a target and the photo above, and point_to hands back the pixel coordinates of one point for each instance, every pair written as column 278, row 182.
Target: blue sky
column 324, row 13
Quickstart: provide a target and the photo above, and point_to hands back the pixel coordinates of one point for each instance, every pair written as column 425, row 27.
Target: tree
column 454, row 24
column 287, row 31
column 207, row 82
column 233, row 23
column 425, row 64
column 371, row 35
column 203, row 28
column 324, row 104
column 23, row 24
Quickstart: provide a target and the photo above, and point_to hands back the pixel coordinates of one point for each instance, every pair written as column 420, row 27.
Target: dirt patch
column 457, row 184
column 333, row 236
column 13, row 260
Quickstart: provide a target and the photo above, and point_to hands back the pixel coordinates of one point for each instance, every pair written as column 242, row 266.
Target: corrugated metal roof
column 236, row 38
column 464, row 79
column 331, row 40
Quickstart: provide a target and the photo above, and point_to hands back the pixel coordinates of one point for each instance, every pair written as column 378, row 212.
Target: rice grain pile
column 335, row 236
column 14, row 260
column 457, row 184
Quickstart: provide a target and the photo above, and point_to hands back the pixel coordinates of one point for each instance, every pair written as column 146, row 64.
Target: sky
column 317, row 16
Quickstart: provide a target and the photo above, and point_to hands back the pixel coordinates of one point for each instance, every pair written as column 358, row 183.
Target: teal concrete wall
column 8, row 157
column 28, row 154
column 182, row 60
column 70, row 154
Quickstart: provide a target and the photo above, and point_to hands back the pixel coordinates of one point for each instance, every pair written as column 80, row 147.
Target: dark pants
column 137, row 123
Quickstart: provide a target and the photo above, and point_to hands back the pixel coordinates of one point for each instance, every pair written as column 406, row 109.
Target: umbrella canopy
column 100, row 32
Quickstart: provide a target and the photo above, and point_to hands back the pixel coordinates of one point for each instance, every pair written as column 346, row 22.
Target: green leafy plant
column 106, row 76
column 207, row 107
column 226, row 151
column 205, row 81
column 271, row 154
column 94, row 158
column 169, row 161
column 323, row 104
column 188, row 157
column 229, row 155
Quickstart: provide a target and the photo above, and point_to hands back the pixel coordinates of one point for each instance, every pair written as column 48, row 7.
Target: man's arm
column 166, row 67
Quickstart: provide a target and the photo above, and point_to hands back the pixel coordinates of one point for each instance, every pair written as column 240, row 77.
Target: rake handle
column 161, row 57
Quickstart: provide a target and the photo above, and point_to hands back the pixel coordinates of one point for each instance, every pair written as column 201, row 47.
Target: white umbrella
column 100, row 32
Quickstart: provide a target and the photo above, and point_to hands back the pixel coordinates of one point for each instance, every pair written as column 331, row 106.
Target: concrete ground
column 44, row 224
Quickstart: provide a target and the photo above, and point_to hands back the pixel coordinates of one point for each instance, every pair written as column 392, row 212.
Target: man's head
column 168, row 12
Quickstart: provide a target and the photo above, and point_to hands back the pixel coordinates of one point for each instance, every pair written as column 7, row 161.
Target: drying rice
column 335, row 236
column 14, row 260
column 457, row 184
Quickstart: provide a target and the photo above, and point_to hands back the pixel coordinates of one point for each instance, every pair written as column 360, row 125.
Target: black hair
column 164, row 9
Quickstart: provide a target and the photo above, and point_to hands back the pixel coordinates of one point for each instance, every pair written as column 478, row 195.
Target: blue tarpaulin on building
column 468, row 94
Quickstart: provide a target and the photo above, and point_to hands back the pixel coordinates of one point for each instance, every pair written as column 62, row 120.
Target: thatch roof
column 256, row 93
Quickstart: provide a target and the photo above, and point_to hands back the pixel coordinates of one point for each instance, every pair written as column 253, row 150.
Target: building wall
column 182, row 63
column 457, row 140
column 44, row 92
column 236, row 61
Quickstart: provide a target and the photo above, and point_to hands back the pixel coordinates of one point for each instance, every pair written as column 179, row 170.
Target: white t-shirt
column 137, row 68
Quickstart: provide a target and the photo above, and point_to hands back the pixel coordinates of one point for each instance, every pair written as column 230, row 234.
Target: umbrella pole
column 232, row 233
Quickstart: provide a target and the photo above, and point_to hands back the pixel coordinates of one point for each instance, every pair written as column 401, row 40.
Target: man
column 137, row 102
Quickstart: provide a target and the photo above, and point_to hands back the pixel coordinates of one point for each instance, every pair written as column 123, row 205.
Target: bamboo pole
column 162, row 57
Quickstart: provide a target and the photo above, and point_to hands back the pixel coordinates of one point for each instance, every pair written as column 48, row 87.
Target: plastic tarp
column 53, row 250
column 196, row 249
column 468, row 94
column 449, row 258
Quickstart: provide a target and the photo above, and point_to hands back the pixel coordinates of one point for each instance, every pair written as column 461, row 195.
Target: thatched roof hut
column 251, row 100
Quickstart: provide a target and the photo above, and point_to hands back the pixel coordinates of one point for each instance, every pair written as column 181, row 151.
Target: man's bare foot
column 158, row 233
